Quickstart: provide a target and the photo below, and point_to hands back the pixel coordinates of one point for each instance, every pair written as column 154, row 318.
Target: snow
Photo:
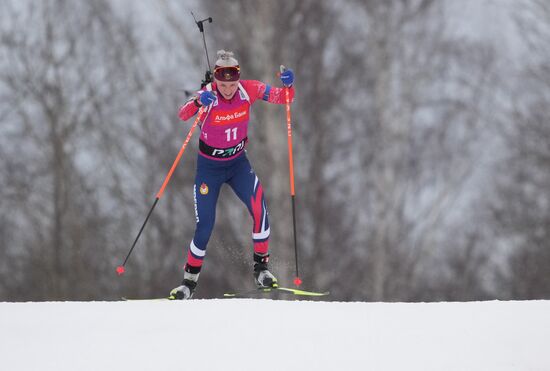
column 261, row 334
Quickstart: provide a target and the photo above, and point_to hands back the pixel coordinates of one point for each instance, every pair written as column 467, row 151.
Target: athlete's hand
column 207, row 98
column 287, row 77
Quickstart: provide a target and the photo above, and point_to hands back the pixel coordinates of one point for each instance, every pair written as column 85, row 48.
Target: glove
column 207, row 98
column 287, row 77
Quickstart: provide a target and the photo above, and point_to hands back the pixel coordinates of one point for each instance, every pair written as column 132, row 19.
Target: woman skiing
column 226, row 110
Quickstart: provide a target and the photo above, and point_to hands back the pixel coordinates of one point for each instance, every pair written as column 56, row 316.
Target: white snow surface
column 261, row 335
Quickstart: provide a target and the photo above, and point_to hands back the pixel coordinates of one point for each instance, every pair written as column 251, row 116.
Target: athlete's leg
column 248, row 188
column 208, row 181
column 206, row 190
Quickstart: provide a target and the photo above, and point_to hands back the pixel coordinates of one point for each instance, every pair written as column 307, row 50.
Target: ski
column 143, row 299
column 286, row 290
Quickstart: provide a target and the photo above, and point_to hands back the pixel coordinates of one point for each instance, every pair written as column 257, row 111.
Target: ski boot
column 188, row 285
column 262, row 277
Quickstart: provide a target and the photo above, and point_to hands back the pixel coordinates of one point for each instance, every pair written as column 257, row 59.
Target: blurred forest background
column 421, row 139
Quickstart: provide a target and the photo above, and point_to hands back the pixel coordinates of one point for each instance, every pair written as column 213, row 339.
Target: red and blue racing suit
column 222, row 159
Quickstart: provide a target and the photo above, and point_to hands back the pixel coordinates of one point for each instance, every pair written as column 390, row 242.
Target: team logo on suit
column 203, row 189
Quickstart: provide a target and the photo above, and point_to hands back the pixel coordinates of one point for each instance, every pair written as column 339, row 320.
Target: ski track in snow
column 262, row 335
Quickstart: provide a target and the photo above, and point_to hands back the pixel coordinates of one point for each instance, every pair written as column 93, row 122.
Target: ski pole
column 297, row 279
column 120, row 269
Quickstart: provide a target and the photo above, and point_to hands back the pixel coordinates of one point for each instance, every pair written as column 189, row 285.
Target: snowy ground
column 245, row 334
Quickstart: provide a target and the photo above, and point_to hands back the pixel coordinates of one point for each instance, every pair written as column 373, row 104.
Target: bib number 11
column 233, row 131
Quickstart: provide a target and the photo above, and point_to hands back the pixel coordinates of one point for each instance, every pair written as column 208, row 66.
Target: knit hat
column 227, row 67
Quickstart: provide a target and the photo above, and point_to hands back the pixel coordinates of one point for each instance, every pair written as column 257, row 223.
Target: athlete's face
column 227, row 88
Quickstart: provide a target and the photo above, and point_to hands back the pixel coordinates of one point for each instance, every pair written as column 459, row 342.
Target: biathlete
column 222, row 159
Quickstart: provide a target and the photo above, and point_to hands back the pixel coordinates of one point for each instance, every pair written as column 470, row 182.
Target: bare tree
column 420, row 121
column 520, row 209
column 82, row 133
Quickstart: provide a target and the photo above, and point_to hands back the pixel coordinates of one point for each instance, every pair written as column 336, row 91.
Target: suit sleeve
column 259, row 90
